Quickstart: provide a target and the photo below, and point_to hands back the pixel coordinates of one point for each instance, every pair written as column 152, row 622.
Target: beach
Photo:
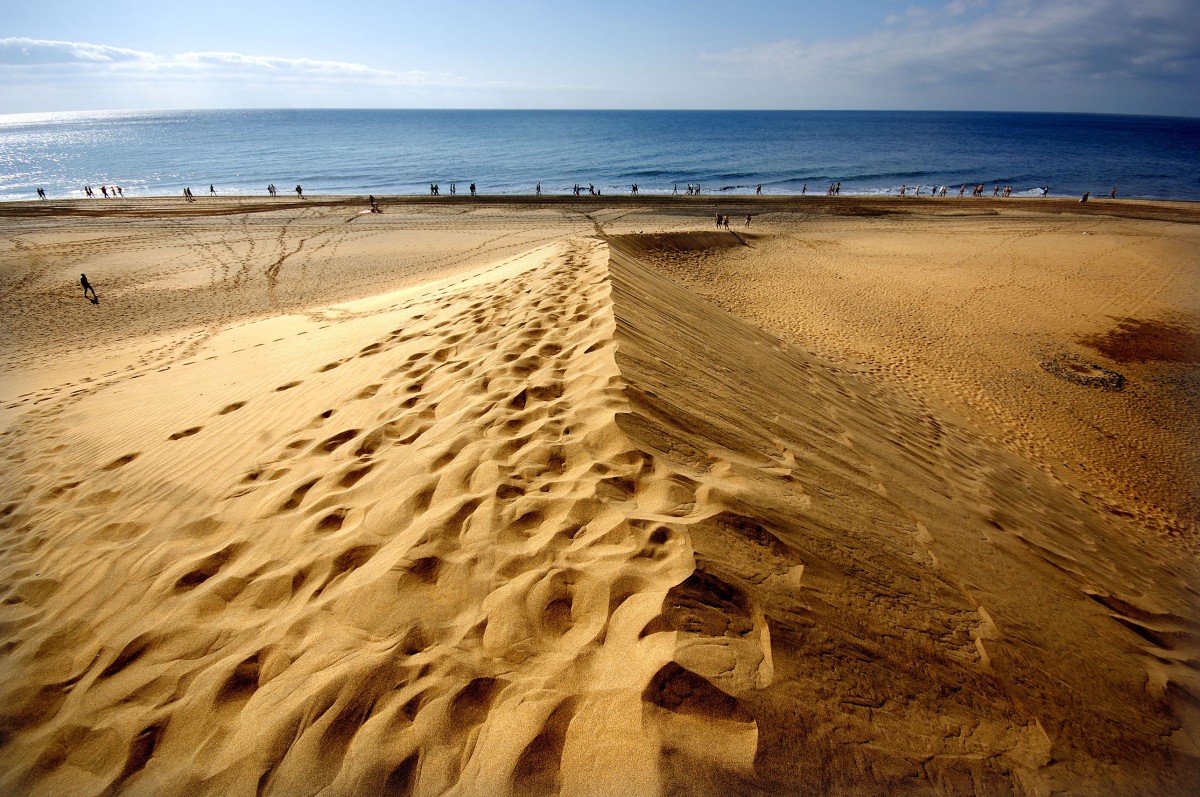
column 588, row 496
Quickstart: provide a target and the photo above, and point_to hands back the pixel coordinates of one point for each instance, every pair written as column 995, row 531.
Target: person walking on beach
column 538, row 189
column 41, row 193
column 212, row 191
column 725, row 220
column 472, row 189
column 758, row 191
column 299, row 191
column 804, row 189
column 87, row 286
column 718, row 221
column 1113, row 193
column 1083, row 199
column 747, row 219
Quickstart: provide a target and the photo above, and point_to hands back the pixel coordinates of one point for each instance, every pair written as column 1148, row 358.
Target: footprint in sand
column 185, row 433
column 353, row 476
column 297, row 497
column 235, row 406
column 331, row 444
column 121, row 461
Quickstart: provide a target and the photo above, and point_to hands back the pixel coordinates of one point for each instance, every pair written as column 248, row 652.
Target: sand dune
column 541, row 518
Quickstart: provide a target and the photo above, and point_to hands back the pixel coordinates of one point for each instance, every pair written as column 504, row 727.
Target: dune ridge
column 559, row 526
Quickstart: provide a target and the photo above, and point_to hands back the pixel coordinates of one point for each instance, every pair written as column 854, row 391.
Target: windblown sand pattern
column 556, row 524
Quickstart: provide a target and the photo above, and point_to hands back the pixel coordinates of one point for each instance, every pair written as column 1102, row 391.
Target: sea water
column 509, row 152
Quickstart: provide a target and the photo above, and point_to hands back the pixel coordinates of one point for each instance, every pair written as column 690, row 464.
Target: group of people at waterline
column 835, row 189
column 107, row 191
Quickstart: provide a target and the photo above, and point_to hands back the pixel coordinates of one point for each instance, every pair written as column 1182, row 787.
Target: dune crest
column 561, row 527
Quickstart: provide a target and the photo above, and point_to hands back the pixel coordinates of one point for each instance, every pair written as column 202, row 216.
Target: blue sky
column 1132, row 56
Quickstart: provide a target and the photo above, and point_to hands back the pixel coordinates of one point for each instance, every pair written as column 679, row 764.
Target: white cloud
column 280, row 67
column 31, row 68
column 14, row 50
column 1009, row 51
column 958, row 7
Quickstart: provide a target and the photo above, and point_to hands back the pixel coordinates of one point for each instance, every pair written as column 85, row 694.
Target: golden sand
column 508, row 497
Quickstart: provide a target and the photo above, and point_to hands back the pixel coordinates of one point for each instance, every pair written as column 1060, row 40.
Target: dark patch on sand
column 1140, row 340
column 1075, row 369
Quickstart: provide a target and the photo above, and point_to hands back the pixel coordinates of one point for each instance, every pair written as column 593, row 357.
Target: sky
column 1091, row 56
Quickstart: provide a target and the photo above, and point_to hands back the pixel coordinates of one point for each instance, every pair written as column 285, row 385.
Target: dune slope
column 561, row 527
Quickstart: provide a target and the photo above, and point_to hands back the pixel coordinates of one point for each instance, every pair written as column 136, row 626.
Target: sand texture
column 583, row 498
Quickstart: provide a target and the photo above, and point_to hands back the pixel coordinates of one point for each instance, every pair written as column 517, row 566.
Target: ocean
column 509, row 152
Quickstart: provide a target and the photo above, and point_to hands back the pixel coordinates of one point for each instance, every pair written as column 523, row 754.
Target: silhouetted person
column 87, row 286
column 299, row 192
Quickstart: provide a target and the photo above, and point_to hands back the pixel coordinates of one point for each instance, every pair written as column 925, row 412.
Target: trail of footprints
column 467, row 527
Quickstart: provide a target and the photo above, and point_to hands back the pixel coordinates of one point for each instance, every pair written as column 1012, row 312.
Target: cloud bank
column 1017, row 54
column 116, row 75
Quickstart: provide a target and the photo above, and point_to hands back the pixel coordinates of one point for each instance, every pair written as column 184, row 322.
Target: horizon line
column 602, row 110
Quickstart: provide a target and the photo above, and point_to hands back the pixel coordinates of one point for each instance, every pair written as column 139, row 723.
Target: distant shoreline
column 1186, row 211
